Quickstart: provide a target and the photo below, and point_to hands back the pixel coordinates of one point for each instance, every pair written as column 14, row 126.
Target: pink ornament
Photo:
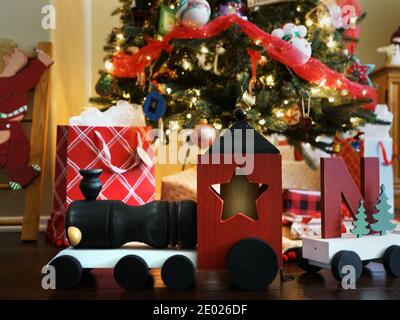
column 204, row 135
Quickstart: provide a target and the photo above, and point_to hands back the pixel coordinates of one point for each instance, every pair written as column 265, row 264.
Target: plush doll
column 296, row 36
column 17, row 78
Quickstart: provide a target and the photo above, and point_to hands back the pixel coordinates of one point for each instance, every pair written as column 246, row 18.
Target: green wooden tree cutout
column 360, row 222
column 383, row 216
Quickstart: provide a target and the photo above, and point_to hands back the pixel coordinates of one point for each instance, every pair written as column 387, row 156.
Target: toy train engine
column 98, row 231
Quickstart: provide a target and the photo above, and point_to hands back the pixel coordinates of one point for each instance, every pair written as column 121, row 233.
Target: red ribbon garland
column 314, row 71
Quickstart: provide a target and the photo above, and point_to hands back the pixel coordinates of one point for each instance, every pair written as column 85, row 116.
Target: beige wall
column 20, row 20
column 382, row 20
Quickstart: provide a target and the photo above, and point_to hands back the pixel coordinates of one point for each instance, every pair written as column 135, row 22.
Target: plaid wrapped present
column 299, row 202
column 302, row 210
column 127, row 176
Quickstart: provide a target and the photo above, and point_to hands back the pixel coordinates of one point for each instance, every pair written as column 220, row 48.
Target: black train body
column 111, row 224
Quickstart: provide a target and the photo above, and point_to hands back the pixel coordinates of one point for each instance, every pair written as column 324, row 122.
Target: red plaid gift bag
column 128, row 175
column 351, row 157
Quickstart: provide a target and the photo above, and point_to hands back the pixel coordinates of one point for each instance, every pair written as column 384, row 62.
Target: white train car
column 334, row 254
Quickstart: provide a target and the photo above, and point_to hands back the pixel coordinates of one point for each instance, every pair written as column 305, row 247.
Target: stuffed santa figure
column 17, row 78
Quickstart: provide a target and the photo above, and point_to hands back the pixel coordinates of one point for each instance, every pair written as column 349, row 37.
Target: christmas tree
column 360, row 223
column 305, row 100
column 383, row 216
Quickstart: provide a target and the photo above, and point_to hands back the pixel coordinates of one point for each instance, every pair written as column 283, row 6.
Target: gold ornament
column 292, row 116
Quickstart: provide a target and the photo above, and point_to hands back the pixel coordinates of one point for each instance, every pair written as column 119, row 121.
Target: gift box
column 298, row 202
column 302, row 211
column 123, row 153
column 297, row 174
column 180, row 186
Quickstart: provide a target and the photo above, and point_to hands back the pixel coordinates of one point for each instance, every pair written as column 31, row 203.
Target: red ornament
column 306, row 123
column 292, row 116
column 291, row 255
column 204, row 135
column 360, row 72
column 59, row 243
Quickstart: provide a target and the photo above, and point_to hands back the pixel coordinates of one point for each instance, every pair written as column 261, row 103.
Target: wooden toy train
column 235, row 225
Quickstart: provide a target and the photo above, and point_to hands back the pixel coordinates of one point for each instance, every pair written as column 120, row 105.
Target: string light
column 204, row 49
column 315, row 91
column 298, row 9
column 168, row 90
column 120, row 36
column 118, row 48
column 345, row 92
column 286, row 102
column 309, row 23
column 326, row 21
column 126, row 95
column 217, row 126
column 172, row 7
column 323, row 82
column 186, row 65
column 194, row 100
column 331, row 43
column 108, row 65
column 279, row 114
column 364, row 92
column 270, row 81
column 189, row 116
column 331, row 99
column 262, row 122
column 353, row 21
column 257, row 42
column 174, row 125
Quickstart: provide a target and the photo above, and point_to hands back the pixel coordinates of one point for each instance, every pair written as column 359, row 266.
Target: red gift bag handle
column 386, row 161
column 140, row 155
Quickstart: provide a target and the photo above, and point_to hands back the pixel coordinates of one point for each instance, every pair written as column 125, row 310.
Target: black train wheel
column 346, row 258
column 304, row 264
column 131, row 272
column 252, row 265
column 391, row 261
column 68, row 272
column 178, row 272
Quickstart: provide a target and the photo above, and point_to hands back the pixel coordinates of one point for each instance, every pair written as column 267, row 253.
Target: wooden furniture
column 388, row 82
column 39, row 121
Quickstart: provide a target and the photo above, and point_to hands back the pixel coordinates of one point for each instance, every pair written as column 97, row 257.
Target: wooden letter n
column 337, row 185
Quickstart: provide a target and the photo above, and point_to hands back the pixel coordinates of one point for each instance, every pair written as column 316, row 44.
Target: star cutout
column 239, row 196
column 361, row 72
